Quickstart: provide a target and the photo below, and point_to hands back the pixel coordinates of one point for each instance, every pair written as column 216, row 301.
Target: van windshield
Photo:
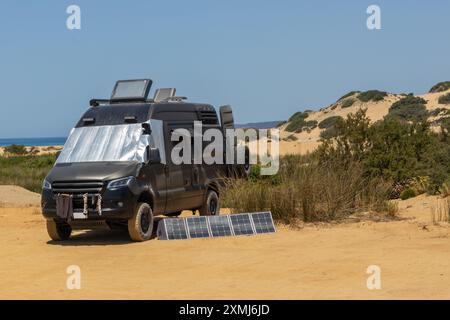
column 110, row 143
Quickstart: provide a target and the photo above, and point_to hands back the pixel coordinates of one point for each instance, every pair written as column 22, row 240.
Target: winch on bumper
column 91, row 200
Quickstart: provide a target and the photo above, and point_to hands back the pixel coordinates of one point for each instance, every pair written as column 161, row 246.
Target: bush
column 351, row 93
column 409, row 108
column 329, row 133
column 437, row 111
column 445, row 99
column 440, row 87
column 298, row 115
column 348, row 103
column 408, row 193
column 372, row 95
column 396, row 151
column 15, row 149
column 329, row 122
column 297, row 122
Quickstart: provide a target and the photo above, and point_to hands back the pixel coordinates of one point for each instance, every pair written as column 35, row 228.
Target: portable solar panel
column 241, row 224
column 216, row 226
column 198, row 227
column 220, row 226
column 172, row 229
column 263, row 222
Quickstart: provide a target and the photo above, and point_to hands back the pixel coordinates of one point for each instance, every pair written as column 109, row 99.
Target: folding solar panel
column 215, row 226
column 172, row 229
column 241, row 224
column 263, row 222
column 220, row 226
column 198, row 227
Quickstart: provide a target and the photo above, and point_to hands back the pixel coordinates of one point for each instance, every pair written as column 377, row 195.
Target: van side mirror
column 153, row 155
column 146, row 130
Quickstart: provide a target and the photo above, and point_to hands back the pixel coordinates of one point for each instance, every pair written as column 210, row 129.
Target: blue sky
column 268, row 59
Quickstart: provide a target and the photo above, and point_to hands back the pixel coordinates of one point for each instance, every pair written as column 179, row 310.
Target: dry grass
column 305, row 190
column 440, row 212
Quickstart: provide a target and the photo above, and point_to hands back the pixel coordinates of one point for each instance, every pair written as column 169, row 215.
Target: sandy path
column 314, row 262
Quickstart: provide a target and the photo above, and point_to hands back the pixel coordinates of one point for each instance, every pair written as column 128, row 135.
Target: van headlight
column 46, row 185
column 119, row 183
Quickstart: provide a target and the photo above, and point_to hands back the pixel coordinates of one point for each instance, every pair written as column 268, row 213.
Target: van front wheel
column 58, row 231
column 140, row 226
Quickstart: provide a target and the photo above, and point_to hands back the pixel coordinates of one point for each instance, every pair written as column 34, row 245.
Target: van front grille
column 77, row 187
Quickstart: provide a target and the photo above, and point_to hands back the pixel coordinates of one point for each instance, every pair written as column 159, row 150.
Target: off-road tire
column 58, row 231
column 140, row 226
column 211, row 207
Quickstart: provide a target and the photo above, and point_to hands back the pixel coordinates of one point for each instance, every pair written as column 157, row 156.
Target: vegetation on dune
column 372, row 95
column 297, row 122
column 345, row 96
column 409, row 108
column 440, row 87
column 15, row 149
column 347, row 103
column 329, row 122
column 445, row 99
column 397, row 151
column 359, row 167
column 27, row 171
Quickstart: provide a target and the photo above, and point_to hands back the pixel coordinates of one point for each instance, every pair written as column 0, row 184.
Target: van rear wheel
column 140, row 226
column 58, row 231
column 211, row 207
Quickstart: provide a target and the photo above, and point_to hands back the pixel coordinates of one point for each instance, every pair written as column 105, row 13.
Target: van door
column 226, row 117
column 174, row 175
column 180, row 191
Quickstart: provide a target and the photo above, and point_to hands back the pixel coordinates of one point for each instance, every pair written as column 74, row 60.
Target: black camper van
column 116, row 166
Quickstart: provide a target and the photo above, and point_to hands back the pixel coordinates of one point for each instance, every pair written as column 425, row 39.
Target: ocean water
column 32, row 142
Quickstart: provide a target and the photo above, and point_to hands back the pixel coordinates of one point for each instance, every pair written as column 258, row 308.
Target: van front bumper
column 116, row 204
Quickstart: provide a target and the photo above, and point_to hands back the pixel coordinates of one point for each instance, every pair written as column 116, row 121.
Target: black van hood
column 83, row 171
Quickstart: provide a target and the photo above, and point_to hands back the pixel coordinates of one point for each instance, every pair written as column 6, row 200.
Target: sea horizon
column 33, row 142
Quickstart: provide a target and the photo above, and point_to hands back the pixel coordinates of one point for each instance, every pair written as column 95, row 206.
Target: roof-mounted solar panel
column 164, row 94
column 216, row 226
column 131, row 90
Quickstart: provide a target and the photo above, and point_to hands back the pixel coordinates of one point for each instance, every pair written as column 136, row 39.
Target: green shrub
column 396, row 151
column 408, row 193
column 329, row 133
column 329, row 122
column 348, row 103
column 409, row 108
column 298, row 115
column 15, row 149
column 437, row 111
column 445, row 99
column 351, row 93
column 297, row 122
column 372, row 95
column 440, row 87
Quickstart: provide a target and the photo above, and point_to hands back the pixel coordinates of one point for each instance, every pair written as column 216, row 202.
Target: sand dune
column 309, row 141
column 39, row 150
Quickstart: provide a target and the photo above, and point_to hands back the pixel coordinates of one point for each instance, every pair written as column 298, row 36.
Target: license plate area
column 78, row 215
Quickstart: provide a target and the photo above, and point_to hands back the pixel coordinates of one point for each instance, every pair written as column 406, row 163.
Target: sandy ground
column 317, row 261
